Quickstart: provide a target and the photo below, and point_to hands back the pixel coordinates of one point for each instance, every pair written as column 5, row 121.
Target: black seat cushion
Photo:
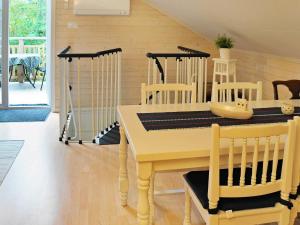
column 298, row 190
column 198, row 181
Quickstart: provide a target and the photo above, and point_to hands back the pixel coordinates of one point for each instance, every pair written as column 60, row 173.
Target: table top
column 171, row 144
column 22, row 56
column 30, row 60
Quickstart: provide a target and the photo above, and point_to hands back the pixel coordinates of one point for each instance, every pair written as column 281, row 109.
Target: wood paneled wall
column 145, row 30
column 253, row 66
column 148, row 30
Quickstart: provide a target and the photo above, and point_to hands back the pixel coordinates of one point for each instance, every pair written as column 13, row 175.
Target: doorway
column 27, row 52
column 3, row 52
column 25, row 75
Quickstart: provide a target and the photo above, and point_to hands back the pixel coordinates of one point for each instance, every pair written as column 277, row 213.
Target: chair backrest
column 230, row 91
column 292, row 85
column 261, row 143
column 168, row 94
column 296, row 164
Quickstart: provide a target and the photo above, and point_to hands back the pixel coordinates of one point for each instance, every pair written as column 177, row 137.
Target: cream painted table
column 162, row 150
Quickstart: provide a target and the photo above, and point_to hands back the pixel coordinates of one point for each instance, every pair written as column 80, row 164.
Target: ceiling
column 268, row 26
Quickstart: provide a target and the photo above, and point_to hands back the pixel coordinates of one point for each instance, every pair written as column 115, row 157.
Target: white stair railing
column 90, row 94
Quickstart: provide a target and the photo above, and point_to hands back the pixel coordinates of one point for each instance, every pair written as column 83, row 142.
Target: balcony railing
column 21, row 46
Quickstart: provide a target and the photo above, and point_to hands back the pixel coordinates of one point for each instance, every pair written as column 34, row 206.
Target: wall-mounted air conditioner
column 102, row 7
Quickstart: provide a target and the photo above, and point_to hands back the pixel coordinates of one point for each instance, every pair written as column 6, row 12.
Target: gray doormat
column 9, row 151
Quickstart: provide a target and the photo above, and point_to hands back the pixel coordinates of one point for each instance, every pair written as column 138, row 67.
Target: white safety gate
column 90, row 94
column 190, row 66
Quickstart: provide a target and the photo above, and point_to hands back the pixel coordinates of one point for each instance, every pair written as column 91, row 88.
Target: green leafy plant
column 224, row 41
column 27, row 19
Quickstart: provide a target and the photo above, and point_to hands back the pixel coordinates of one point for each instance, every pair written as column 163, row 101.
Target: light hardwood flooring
column 54, row 184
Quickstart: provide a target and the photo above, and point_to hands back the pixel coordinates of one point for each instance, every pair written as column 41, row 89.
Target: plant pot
column 224, row 53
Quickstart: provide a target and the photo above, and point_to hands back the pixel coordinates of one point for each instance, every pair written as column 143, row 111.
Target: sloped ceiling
column 268, row 26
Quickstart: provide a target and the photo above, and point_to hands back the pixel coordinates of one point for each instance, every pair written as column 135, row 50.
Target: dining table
column 26, row 63
column 29, row 60
column 174, row 138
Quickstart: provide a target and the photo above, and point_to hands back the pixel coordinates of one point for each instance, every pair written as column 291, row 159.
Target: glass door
column 4, row 53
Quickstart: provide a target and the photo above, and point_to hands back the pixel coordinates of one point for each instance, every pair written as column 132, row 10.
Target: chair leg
column 36, row 72
column 27, row 77
column 44, row 75
column 213, row 220
column 10, row 72
column 285, row 217
column 151, row 200
column 187, row 212
column 293, row 213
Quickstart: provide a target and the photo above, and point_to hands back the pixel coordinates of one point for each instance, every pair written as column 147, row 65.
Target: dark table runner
column 193, row 119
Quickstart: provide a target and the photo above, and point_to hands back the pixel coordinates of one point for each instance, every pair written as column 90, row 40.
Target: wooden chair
column 168, row 94
column 228, row 92
column 295, row 192
column 165, row 94
column 245, row 195
column 292, row 85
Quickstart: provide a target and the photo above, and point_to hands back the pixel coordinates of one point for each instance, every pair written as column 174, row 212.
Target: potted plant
column 224, row 43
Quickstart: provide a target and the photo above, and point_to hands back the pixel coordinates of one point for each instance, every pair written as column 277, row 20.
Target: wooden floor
column 54, row 184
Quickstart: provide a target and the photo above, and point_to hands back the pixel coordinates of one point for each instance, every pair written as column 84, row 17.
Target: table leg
column 20, row 73
column 123, row 173
column 187, row 212
column 151, row 199
column 144, row 171
column 27, row 76
column 11, row 68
